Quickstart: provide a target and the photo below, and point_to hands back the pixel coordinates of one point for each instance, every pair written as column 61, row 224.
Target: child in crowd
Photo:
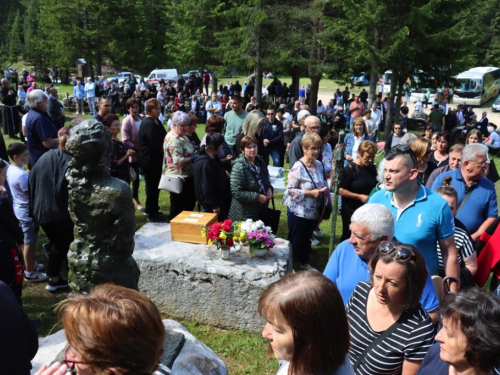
column 18, row 183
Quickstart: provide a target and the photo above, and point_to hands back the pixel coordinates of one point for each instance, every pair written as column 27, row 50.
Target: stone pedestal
column 193, row 282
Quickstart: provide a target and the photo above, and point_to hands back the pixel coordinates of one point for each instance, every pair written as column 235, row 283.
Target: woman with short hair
column 250, row 185
column 306, row 325
column 358, row 180
column 178, row 158
column 390, row 302
column 469, row 342
column 135, row 345
column 440, row 156
column 305, row 196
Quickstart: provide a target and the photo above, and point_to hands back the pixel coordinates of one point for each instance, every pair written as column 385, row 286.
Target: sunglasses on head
column 402, row 253
column 403, row 149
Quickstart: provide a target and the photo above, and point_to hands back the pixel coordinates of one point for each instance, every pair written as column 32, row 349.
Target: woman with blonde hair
column 354, row 139
column 421, row 147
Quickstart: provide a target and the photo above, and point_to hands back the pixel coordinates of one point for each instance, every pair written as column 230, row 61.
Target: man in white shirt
column 213, row 107
column 376, row 117
column 90, row 94
column 418, row 105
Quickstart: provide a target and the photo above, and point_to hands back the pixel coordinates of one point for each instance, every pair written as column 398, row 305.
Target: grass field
column 243, row 353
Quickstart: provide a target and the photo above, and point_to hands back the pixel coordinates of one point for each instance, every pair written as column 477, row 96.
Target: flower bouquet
column 256, row 236
column 221, row 235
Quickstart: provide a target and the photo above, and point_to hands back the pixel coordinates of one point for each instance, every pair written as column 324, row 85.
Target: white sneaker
column 318, row 233
column 307, row 267
column 314, row 241
column 35, row 277
column 77, row 113
column 39, row 267
column 83, row 113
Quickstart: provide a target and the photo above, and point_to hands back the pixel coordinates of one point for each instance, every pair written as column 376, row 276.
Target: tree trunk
column 98, row 55
column 374, row 71
column 65, row 76
column 90, row 63
column 258, row 69
column 295, row 82
column 214, row 83
column 389, row 120
column 313, row 99
column 398, row 101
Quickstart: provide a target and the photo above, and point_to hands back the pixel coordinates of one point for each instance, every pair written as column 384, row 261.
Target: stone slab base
column 192, row 281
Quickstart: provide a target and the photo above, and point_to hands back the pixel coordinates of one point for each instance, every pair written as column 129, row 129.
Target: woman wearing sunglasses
column 390, row 330
column 114, row 331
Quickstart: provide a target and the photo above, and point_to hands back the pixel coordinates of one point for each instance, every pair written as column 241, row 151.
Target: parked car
column 496, row 105
column 122, row 76
column 360, row 80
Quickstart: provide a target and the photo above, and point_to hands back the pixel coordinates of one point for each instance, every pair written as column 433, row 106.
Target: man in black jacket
column 151, row 137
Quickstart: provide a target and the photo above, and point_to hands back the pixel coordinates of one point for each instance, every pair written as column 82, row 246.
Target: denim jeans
column 275, row 155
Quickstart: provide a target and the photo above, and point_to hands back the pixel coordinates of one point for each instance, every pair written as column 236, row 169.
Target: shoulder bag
column 325, row 211
column 170, row 182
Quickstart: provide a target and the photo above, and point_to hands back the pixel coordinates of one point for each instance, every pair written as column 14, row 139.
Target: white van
column 156, row 75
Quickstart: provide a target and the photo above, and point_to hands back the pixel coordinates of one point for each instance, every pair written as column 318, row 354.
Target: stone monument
column 101, row 208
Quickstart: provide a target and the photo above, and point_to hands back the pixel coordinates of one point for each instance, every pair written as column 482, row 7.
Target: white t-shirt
column 320, row 109
column 138, row 123
column 18, row 183
column 418, row 106
column 495, row 138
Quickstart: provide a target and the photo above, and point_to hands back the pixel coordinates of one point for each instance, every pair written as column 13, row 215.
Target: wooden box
column 186, row 227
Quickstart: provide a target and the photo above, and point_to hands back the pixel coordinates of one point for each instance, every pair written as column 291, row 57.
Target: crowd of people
column 418, row 216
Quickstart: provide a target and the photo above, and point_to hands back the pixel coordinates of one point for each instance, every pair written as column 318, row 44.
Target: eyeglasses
column 69, row 363
column 314, row 148
column 483, row 163
column 402, row 149
column 313, row 127
column 402, row 253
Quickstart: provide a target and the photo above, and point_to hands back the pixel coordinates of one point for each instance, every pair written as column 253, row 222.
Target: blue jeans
column 275, row 155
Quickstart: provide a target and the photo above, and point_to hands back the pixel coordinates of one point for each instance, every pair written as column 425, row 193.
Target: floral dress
column 176, row 149
column 299, row 181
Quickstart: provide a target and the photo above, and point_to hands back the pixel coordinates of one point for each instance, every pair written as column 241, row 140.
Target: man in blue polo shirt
column 422, row 217
column 40, row 130
column 477, row 205
column 370, row 225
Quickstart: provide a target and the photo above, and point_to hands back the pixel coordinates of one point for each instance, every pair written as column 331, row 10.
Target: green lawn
column 243, row 353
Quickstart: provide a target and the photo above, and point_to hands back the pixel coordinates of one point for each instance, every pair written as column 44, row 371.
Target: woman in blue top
column 306, row 325
column 469, row 342
column 354, row 139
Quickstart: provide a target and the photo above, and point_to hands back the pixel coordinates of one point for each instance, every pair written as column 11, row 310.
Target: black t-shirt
column 424, row 176
column 359, row 180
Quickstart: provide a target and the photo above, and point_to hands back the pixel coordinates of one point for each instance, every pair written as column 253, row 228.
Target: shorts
column 30, row 235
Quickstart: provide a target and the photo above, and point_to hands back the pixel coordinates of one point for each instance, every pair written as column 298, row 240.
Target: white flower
column 269, row 230
column 253, row 227
column 260, row 224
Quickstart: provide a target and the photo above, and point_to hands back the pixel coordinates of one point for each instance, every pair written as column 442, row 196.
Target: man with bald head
column 312, row 124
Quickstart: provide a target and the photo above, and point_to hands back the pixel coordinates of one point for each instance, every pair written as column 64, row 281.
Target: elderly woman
column 250, row 184
column 390, row 302
column 303, row 312
column 354, row 139
column 135, row 347
column 252, row 127
column 306, row 196
column 151, row 136
column 358, row 180
column 422, row 149
column 469, row 342
column 440, row 155
column 178, row 152
column 120, row 167
column 130, row 139
column 210, row 177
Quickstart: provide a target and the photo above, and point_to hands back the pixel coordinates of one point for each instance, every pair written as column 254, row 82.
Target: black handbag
column 272, row 217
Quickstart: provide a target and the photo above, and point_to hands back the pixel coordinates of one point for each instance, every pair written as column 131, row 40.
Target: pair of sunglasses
column 402, row 253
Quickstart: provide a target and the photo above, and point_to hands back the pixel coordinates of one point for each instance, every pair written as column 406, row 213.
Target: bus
column 419, row 83
column 477, row 85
